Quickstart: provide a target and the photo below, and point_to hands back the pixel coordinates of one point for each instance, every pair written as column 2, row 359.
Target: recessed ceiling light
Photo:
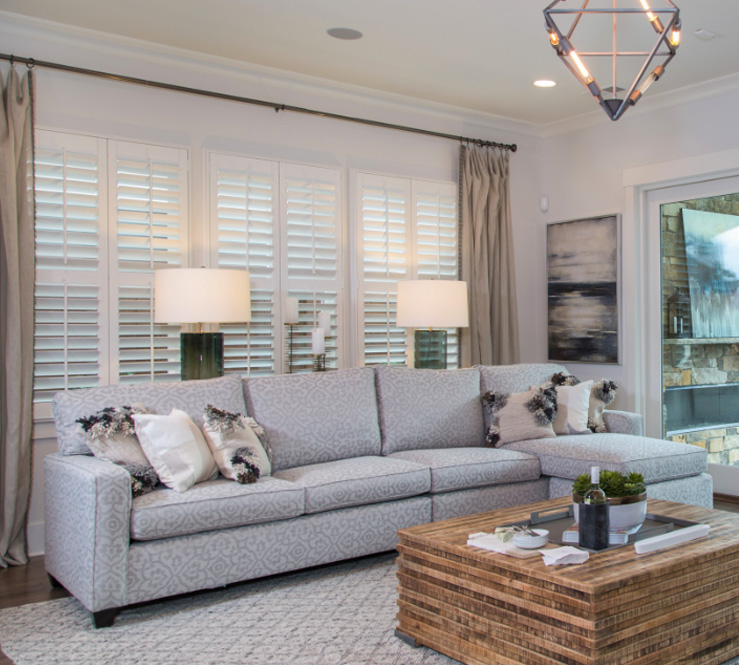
column 344, row 33
column 545, row 83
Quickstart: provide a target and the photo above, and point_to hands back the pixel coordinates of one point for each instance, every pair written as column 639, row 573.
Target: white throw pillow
column 235, row 445
column 573, row 403
column 176, row 448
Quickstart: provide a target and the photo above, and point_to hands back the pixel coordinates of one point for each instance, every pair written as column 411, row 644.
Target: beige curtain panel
column 16, row 314
column 487, row 257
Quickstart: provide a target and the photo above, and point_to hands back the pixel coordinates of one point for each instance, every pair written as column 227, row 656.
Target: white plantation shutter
column 383, row 216
column 437, row 241
column 70, row 347
column 148, row 211
column 407, row 230
column 244, row 231
column 310, row 205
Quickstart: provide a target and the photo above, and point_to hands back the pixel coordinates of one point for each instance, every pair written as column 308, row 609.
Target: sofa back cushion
column 313, row 418
column 516, row 378
column 189, row 396
column 429, row 408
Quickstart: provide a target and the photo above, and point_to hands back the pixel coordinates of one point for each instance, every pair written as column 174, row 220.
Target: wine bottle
column 594, row 522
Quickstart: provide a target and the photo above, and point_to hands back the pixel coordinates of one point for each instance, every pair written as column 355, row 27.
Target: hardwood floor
column 22, row 585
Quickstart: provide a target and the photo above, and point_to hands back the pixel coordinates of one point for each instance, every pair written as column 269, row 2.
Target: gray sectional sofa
column 356, row 455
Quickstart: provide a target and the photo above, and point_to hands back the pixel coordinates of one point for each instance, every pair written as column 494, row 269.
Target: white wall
column 604, row 169
column 71, row 102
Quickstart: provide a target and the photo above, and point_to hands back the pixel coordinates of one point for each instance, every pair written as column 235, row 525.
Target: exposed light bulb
column 647, row 8
column 675, row 37
column 583, row 71
column 553, row 38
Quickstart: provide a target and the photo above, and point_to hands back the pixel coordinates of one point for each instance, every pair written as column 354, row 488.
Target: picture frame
column 583, row 290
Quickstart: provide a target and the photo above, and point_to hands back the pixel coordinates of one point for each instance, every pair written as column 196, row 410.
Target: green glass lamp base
column 430, row 346
column 201, row 355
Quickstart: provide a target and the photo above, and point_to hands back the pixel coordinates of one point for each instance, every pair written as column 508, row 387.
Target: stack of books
column 615, row 536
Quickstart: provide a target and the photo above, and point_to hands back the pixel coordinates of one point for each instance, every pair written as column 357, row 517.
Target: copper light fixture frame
column 562, row 44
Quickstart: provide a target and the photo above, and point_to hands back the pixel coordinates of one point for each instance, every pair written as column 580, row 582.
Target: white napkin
column 560, row 556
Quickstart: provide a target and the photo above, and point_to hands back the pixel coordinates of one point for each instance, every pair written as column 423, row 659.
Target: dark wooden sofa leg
column 104, row 618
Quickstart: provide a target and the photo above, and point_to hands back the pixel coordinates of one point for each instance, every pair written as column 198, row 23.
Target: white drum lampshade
column 432, row 303
column 200, row 295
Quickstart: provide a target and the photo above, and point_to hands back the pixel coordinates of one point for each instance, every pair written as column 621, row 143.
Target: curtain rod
column 30, row 62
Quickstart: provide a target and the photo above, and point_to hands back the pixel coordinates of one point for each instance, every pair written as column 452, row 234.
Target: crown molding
column 81, row 46
column 654, row 103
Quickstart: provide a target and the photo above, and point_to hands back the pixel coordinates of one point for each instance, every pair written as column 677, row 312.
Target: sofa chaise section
column 672, row 471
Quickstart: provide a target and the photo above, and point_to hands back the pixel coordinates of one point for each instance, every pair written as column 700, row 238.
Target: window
column 282, row 221
column 407, row 230
column 107, row 213
column 111, row 212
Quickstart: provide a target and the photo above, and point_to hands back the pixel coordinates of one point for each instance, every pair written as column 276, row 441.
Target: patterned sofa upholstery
column 356, row 455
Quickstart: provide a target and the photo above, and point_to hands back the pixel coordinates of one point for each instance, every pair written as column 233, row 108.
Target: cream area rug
column 342, row 614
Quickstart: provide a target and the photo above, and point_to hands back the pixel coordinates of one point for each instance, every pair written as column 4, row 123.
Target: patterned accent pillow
column 602, row 394
column 237, row 444
column 521, row 416
column 176, row 448
column 110, row 434
column 143, row 478
column 573, row 403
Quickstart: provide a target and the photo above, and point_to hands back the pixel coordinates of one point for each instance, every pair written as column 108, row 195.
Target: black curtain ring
column 12, row 59
column 30, row 63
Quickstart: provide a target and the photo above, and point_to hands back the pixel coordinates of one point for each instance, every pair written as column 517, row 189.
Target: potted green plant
column 626, row 493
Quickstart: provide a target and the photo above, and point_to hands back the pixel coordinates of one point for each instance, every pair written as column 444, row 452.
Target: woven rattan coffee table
column 677, row 605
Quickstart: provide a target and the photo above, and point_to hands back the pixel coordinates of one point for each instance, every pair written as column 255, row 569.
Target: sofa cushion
column 212, row 505
column 655, row 459
column 426, row 408
column 314, row 418
column 515, row 378
column 189, row 396
column 357, row 481
column 464, row 468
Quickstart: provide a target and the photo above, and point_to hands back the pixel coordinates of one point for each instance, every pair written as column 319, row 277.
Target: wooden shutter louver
column 150, row 213
column 67, row 334
column 383, row 205
column 70, row 345
column 244, row 209
column 312, row 233
column 437, row 242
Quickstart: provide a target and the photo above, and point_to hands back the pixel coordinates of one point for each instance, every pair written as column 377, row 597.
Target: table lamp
column 201, row 295
column 426, row 304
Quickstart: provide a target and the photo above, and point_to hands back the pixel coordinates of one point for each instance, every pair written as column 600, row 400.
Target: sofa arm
column 623, row 422
column 87, row 528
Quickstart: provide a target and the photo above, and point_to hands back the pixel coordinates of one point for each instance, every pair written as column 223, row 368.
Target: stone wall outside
column 696, row 363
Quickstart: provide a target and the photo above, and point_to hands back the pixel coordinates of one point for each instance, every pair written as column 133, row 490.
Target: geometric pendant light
column 641, row 40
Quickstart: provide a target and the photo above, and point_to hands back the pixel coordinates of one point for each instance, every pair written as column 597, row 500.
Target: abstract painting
column 582, row 290
column 712, row 251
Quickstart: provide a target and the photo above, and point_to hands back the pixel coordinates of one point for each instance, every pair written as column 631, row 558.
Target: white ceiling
column 475, row 54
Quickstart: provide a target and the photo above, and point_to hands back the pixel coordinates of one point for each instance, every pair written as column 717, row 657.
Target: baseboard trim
column 35, row 535
column 728, row 498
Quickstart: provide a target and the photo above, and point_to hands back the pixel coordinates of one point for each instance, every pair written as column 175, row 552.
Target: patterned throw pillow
column 521, row 416
column 602, row 393
column 176, row 448
column 110, row 434
column 239, row 445
column 143, row 478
